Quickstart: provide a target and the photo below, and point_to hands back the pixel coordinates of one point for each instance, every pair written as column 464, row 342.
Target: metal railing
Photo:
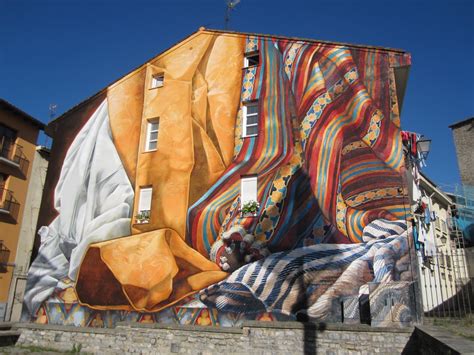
column 14, row 153
column 8, row 203
column 446, row 285
column 4, row 256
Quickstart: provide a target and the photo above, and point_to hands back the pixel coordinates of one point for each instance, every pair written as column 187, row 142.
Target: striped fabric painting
column 311, row 279
column 328, row 154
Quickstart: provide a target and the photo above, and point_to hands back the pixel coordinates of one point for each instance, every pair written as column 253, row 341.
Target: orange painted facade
column 18, row 135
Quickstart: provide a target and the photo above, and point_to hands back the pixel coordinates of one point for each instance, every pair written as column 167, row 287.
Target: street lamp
column 423, row 146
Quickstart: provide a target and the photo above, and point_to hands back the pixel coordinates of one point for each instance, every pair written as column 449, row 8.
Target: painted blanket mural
column 145, row 215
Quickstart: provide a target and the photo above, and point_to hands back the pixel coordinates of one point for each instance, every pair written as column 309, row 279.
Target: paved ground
column 462, row 327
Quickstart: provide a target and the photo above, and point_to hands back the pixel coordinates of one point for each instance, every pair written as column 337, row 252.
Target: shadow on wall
column 310, row 334
column 459, row 305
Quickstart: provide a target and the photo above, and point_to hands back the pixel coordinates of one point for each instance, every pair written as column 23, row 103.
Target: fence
column 8, row 203
column 446, row 285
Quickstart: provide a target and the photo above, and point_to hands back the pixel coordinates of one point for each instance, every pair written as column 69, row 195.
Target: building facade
column 18, row 135
column 234, row 176
column 27, row 234
column 463, row 134
column 442, row 258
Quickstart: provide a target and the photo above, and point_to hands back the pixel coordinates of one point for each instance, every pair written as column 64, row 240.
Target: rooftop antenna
column 52, row 111
column 231, row 4
column 52, row 114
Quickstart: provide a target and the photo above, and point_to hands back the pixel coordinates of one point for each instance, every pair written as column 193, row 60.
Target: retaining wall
column 251, row 338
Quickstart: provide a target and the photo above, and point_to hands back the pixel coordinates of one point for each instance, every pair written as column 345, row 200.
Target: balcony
column 9, row 206
column 4, row 256
column 12, row 159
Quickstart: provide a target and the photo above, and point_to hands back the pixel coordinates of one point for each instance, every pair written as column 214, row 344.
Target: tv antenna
column 231, row 4
column 52, row 110
column 52, row 113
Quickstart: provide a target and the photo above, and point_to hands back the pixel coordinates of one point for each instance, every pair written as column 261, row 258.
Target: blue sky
column 63, row 51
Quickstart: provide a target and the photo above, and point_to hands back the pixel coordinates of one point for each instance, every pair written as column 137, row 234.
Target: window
column 157, row 80
column 251, row 59
column 248, row 189
column 152, row 135
column 441, row 260
column 7, row 140
column 250, row 122
column 144, row 204
column 444, row 226
column 3, row 180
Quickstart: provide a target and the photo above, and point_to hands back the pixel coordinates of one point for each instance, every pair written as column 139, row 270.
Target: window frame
column 143, row 189
column 149, row 132
column 155, row 82
column 245, row 117
column 249, row 55
column 247, row 179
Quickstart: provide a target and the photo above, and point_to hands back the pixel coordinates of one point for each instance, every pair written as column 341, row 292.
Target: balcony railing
column 8, row 204
column 13, row 154
column 4, row 256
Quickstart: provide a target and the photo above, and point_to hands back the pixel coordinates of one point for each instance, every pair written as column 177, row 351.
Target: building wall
column 27, row 233
column 329, row 162
column 463, row 139
column 255, row 338
column 17, row 182
column 443, row 267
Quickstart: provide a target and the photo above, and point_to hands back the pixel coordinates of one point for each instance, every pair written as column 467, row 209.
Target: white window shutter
column 152, row 136
column 248, row 189
column 144, row 203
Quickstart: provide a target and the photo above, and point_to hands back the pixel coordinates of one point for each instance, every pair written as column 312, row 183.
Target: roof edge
column 202, row 30
column 435, row 187
column 123, row 77
column 296, row 39
column 461, row 123
column 22, row 113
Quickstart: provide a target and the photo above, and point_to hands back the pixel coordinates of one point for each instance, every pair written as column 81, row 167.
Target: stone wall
column 463, row 140
column 252, row 338
column 435, row 341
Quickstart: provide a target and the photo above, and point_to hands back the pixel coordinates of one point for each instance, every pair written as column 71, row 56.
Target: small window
column 3, row 180
column 248, row 189
column 251, row 59
column 152, row 136
column 448, row 261
column 444, row 226
column 250, row 121
column 441, row 260
column 144, row 204
column 157, row 80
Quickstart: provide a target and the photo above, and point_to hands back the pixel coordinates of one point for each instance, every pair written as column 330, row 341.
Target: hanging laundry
column 430, row 241
column 416, row 237
column 427, row 216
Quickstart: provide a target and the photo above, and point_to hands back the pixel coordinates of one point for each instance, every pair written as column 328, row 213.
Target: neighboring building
column 463, row 133
column 463, row 195
column 18, row 136
column 172, row 189
column 442, row 259
column 27, row 233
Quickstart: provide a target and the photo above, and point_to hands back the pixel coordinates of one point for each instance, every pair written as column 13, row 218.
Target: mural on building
column 147, row 217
